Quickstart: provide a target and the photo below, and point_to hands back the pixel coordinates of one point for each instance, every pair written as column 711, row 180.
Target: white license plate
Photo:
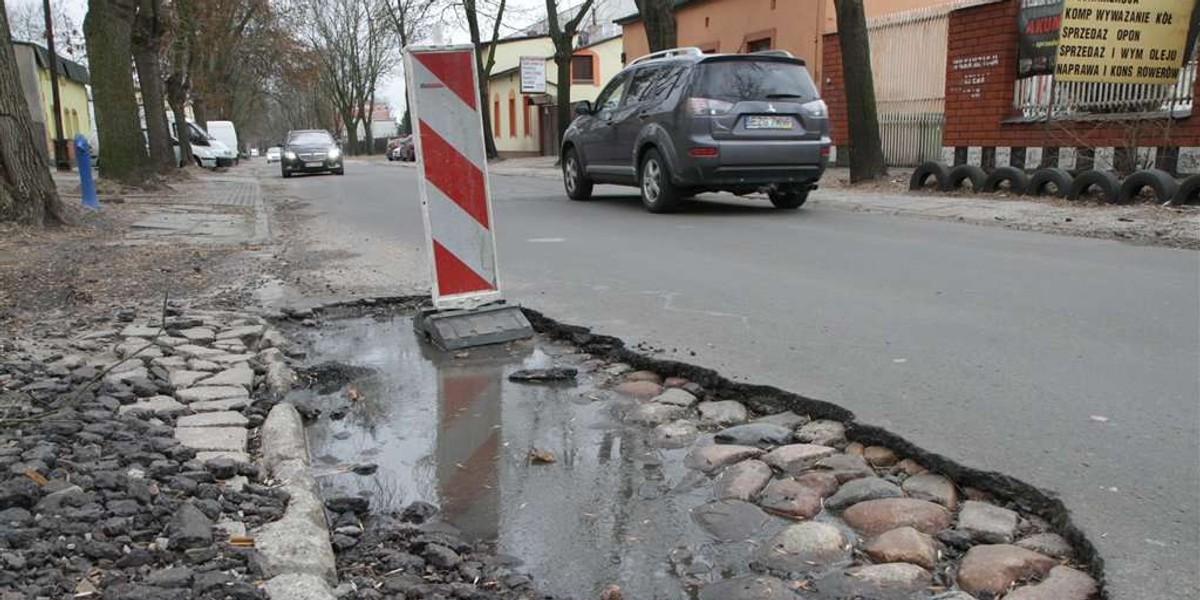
column 314, row 164
column 770, row 123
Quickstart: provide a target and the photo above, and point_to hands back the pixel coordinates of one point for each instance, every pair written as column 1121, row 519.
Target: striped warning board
column 443, row 94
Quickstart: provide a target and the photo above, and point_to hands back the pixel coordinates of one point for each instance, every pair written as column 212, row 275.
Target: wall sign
column 1123, row 41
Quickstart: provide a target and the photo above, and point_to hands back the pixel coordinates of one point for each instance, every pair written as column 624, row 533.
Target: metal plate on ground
column 458, row 329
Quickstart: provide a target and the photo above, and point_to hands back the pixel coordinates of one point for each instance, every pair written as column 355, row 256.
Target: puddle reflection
column 454, row 432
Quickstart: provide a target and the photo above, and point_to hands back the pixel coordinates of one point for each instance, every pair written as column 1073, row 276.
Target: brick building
column 991, row 118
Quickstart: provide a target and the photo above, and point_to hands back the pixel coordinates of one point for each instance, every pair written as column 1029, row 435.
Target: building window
column 496, row 116
column 583, row 68
column 528, row 128
column 758, row 45
column 512, row 117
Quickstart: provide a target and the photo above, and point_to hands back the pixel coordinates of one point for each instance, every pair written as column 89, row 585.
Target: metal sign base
column 457, row 329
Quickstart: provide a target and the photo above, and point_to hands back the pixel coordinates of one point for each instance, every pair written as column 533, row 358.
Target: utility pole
column 60, row 144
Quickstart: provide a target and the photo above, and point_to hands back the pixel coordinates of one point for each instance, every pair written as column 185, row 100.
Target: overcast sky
column 519, row 14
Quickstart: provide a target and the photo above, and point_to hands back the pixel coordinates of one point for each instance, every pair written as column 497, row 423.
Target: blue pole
column 83, row 158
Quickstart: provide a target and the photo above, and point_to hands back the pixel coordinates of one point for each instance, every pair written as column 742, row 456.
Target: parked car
column 203, row 154
column 226, row 156
column 402, row 148
column 274, row 153
column 254, row 153
column 224, row 132
column 311, row 151
column 680, row 122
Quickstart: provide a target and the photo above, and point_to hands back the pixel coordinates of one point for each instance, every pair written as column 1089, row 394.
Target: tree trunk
column 200, row 110
column 485, row 110
column 177, row 97
column 563, row 82
column 27, row 192
column 658, row 18
column 108, row 28
column 866, row 149
column 148, row 33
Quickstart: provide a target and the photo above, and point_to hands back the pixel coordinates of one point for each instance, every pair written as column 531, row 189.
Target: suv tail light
column 708, row 106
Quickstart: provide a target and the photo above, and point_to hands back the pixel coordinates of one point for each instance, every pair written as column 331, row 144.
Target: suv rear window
column 310, row 137
column 740, row 80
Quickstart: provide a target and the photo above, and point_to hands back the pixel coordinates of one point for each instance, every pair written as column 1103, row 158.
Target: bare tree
column 658, row 19
column 108, row 28
column 149, row 43
column 27, row 193
column 472, row 10
column 411, row 20
column 564, row 45
column 356, row 48
column 866, row 149
column 178, row 84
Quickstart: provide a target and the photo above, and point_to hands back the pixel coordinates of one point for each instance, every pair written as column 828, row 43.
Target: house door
column 548, row 130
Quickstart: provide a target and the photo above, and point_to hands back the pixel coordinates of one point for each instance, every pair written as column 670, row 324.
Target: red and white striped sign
column 443, row 94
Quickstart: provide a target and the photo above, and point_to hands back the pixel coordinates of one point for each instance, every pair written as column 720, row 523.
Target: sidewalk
column 184, row 239
column 1140, row 223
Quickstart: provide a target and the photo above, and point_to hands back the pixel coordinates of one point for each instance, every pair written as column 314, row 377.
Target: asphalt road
column 1071, row 363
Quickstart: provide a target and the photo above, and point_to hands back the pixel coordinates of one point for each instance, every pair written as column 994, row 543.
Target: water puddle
column 453, row 431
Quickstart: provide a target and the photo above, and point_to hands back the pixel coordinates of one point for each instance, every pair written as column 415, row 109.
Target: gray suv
column 679, row 122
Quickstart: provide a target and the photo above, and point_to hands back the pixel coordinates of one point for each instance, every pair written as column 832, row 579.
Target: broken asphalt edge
column 768, row 399
column 296, row 548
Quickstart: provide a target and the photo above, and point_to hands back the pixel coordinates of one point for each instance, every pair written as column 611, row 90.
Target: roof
column 635, row 17
column 68, row 68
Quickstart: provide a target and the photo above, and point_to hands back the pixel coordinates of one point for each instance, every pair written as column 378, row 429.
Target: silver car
column 679, row 122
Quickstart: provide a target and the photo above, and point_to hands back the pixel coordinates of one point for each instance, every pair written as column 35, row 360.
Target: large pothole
column 607, row 481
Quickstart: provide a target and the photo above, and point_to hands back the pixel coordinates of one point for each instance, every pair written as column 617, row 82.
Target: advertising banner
column 1123, row 41
column 1037, row 34
column 533, row 75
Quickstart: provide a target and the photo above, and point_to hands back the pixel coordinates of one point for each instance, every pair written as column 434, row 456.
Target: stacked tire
column 1060, row 183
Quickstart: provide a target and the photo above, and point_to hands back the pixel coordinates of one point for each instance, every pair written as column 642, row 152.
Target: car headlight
column 289, row 155
column 335, row 152
column 816, row 109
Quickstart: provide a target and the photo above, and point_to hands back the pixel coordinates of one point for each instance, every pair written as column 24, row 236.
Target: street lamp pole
column 60, row 144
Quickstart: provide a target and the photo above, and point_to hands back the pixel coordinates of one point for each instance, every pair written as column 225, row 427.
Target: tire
column 1016, row 178
column 1188, row 192
column 578, row 186
column 963, row 173
column 1161, row 182
column 789, row 199
column 1043, row 180
column 341, row 171
column 286, row 174
column 659, row 194
column 921, row 175
column 1106, row 183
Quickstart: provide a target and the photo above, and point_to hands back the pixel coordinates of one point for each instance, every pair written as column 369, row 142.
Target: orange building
column 733, row 26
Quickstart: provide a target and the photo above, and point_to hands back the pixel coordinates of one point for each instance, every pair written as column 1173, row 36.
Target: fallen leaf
column 241, row 541
column 612, row 592
column 85, row 588
column 353, row 394
column 36, row 477
column 541, row 456
column 1099, row 419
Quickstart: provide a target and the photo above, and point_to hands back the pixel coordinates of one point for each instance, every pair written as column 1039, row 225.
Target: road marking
column 545, row 240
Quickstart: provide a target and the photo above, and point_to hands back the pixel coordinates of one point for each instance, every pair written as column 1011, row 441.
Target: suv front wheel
column 789, row 199
column 659, row 194
column 579, row 187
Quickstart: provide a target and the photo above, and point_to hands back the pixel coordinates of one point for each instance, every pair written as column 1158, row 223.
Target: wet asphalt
column 1071, row 363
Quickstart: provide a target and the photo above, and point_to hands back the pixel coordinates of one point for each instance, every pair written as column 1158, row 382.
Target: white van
column 203, row 154
column 225, row 133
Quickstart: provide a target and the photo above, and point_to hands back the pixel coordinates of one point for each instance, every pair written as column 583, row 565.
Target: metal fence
column 908, row 58
column 1033, row 97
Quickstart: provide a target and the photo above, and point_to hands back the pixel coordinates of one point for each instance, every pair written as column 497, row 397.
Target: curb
column 296, row 548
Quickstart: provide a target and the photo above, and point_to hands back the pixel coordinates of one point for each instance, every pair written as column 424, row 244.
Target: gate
column 908, row 59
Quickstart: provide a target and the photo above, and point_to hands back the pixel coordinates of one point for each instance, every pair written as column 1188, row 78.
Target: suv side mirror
column 583, row 108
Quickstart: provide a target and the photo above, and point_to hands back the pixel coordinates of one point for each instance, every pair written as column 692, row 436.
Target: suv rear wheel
column 789, row 199
column 579, row 187
column 659, row 193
